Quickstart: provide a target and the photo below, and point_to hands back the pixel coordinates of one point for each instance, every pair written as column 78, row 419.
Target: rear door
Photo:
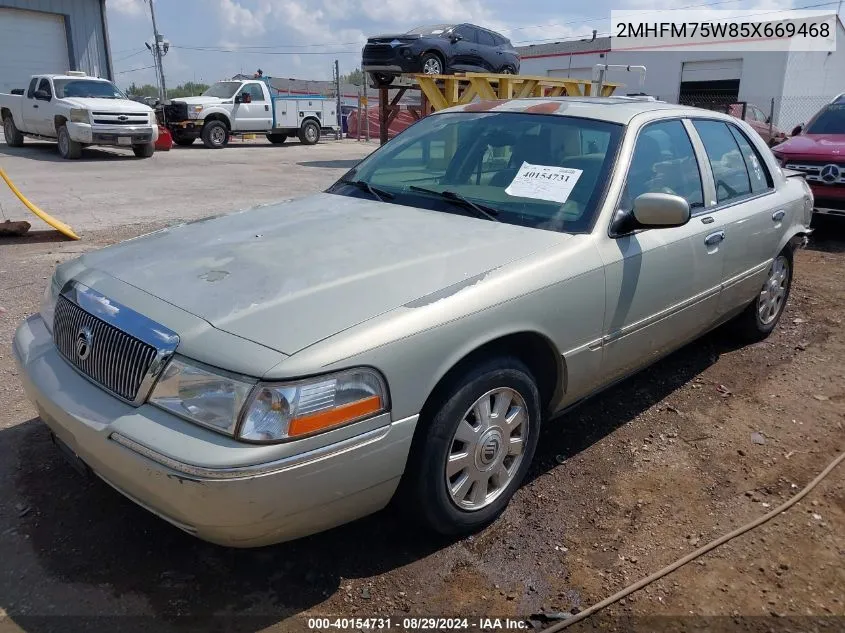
column 753, row 213
column 662, row 285
column 30, row 107
column 489, row 57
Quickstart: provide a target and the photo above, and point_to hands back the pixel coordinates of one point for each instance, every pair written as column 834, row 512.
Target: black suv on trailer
column 439, row 50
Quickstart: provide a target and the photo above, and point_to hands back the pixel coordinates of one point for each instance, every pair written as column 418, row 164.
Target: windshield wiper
column 481, row 210
column 378, row 194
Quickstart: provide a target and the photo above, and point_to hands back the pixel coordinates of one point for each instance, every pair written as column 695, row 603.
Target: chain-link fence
column 776, row 115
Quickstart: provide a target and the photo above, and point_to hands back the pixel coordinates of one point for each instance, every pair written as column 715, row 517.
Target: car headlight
column 201, row 395
column 79, row 115
column 282, row 411
column 48, row 303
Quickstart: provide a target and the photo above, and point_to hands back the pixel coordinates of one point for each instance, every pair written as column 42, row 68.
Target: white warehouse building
column 790, row 86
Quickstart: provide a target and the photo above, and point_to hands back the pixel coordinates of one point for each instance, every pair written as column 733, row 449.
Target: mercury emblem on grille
column 84, row 341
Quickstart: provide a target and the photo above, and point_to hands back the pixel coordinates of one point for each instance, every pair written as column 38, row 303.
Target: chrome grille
column 121, row 118
column 812, row 171
column 115, row 360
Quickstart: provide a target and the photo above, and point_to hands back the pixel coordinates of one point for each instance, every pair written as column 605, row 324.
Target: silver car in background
column 272, row 373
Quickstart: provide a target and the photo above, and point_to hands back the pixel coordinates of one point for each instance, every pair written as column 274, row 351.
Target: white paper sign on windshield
column 544, row 182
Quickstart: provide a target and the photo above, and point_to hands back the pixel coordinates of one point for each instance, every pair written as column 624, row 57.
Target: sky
column 215, row 39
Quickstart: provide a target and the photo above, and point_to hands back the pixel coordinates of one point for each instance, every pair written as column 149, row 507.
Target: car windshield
column 437, row 29
column 86, row 88
column 831, row 120
column 536, row 170
column 223, row 89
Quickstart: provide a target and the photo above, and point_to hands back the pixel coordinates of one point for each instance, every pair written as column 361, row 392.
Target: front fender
column 217, row 112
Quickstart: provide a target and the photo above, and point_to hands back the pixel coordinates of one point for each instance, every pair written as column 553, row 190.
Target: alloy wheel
column 770, row 303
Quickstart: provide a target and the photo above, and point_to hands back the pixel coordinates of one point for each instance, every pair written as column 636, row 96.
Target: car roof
column 612, row 109
column 72, row 77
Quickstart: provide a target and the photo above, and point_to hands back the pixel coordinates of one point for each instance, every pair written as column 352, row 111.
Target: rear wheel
column 309, row 133
column 382, row 79
column 68, row 148
column 13, row 135
column 215, row 135
column 474, row 451
column 762, row 315
column 144, row 150
column 277, row 139
column 184, row 140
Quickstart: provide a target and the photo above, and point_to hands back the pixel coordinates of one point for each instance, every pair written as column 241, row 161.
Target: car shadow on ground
column 828, row 234
column 331, row 164
column 47, row 152
column 83, row 532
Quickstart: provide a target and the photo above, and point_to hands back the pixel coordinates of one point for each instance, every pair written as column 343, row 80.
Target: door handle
column 777, row 216
column 714, row 238
column 266, row 108
column 35, row 106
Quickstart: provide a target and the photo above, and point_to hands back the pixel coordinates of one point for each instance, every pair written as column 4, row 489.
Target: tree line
column 187, row 89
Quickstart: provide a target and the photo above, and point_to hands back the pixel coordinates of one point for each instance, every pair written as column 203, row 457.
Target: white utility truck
column 248, row 107
column 76, row 110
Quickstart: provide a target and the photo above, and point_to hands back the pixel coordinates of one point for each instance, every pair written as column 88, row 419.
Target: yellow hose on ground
column 60, row 226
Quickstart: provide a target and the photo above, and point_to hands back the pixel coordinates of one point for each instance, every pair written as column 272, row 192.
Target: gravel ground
column 708, row 439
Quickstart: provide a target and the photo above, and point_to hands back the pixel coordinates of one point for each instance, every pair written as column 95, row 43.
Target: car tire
column 144, row 150
column 382, row 79
column 13, row 136
column 761, row 316
column 277, row 139
column 215, row 135
column 432, row 65
column 508, row 70
column 309, row 133
column 68, row 148
column 184, row 141
column 442, row 488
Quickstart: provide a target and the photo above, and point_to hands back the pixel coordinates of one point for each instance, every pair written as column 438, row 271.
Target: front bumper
column 112, row 134
column 396, row 61
column 829, row 199
column 155, row 458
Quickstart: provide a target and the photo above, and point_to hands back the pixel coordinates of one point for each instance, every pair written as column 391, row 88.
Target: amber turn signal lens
column 324, row 420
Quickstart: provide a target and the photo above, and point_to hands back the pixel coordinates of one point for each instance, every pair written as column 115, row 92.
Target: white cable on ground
column 692, row 556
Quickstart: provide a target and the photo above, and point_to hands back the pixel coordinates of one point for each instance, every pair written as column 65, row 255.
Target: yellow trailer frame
column 444, row 91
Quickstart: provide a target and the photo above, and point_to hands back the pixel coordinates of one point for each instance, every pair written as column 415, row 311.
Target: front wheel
column 68, row 148
column 762, row 315
column 145, row 150
column 476, row 448
column 431, row 64
column 13, row 135
column 309, row 133
column 508, row 70
column 215, row 135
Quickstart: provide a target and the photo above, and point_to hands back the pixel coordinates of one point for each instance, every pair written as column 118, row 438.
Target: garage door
column 30, row 43
column 712, row 70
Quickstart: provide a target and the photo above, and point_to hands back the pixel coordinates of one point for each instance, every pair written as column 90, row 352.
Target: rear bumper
column 154, row 459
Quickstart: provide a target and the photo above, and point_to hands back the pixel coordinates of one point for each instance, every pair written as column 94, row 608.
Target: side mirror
column 456, row 37
column 42, row 95
column 797, row 130
column 660, row 210
column 246, row 98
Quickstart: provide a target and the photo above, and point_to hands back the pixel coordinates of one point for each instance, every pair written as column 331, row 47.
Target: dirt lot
column 708, row 439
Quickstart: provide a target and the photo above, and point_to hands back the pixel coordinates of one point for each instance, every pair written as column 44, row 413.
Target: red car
column 818, row 150
column 757, row 119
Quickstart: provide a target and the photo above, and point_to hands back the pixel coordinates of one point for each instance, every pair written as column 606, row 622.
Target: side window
column 30, row 92
column 45, row 86
column 466, row 32
column 664, row 162
column 758, row 114
column 726, row 161
column 485, row 38
column 761, row 179
column 255, row 91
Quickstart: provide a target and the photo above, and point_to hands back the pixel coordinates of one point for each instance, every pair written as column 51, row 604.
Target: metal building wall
column 86, row 26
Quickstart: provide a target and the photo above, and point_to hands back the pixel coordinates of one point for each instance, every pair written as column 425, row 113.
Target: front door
column 255, row 116
column 465, row 54
column 662, row 285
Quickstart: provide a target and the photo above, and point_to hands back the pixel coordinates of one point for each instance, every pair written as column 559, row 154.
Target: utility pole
column 337, row 87
column 159, row 43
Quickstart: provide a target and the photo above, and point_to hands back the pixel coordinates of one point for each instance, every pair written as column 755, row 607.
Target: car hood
column 831, row 145
column 291, row 274
column 126, row 106
column 200, row 100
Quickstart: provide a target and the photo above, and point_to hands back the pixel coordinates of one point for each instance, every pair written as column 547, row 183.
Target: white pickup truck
column 76, row 111
column 244, row 107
